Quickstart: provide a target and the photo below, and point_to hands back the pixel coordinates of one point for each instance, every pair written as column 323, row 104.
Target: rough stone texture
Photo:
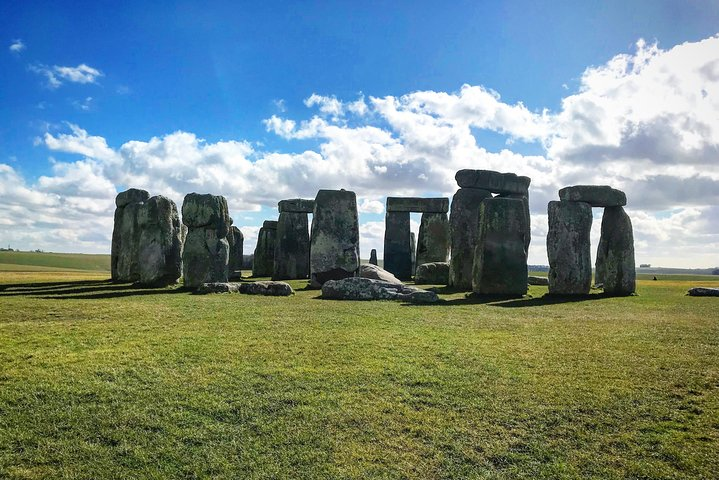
column 433, row 244
column 206, row 251
column 397, row 245
column 373, row 257
column 160, row 245
column 416, row 204
column 617, row 243
column 132, row 195
column 500, row 259
column 601, row 260
column 495, row 182
column 358, row 288
column 568, row 247
column 413, row 251
column 525, row 200
column 263, row 264
column 236, row 241
column 268, row 288
column 334, row 245
column 377, row 273
column 464, row 231
column 434, row 273
column 125, row 249
column 703, row 292
column 532, row 280
column 594, row 195
column 296, row 205
column 218, row 287
column 292, row 247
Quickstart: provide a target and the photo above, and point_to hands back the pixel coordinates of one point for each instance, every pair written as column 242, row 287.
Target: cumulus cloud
column 57, row 75
column 17, row 46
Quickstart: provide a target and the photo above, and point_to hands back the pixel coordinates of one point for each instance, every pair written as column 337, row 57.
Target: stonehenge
column 373, row 257
column 236, row 240
column 464, row 231
column 292, row 243
column 124, row 255
column 206, row 251
column 568, row 249
column 264, row 261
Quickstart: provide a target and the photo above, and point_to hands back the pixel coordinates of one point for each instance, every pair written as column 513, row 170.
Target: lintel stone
column 417, row 204
column 595, row 195
column 495, row 182
column 296, row 205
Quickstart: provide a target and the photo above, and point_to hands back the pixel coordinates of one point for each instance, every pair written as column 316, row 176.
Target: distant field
column 35, row 261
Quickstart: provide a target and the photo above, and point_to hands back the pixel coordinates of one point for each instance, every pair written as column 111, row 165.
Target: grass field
column 36, row 261
column 99, row 380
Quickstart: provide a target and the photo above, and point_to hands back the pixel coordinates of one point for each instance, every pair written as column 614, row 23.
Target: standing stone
column 373, row 257
column 236, row 241
column 160, row 246
column 464, row 231
column 601, row 260
column 263, row 264
column 617, row 245
column 500, row 259
column 126, row 236
column 568, row 247
column 334, row 246
column 292, row 247
column 397, row 245
column 413, row 251
column 433, row 244
column 525, row 200
column 206, row 251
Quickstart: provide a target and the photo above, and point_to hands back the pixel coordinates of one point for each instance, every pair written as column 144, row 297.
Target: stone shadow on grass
column 84, row 290
column 511, row 301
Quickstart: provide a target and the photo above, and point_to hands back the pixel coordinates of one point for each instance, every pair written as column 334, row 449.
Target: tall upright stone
column 618, row 273
column 464, row 232
column 433, row 242
column 524, row 197
column 397, row 248
column 413, row 251
column 263, row 263
column 236, row 241
column 160, row 246
column 500, row 259
column 568, row 247
column 206, row 251
column 373, row 257
column 292, row 247
column 124, row 256
column 334, row 245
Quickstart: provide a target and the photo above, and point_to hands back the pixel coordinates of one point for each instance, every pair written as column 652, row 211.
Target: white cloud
column 366, row 205
column 57, row 75
column 17, row 46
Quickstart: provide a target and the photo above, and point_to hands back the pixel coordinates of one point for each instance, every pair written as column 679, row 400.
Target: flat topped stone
column 358, row 288
column 595, row 195
column 417, row 204
column 296, row 205
column 270, row 224
column 200, row 210
column 267, row 288
column 495, row 182
column 133, row 195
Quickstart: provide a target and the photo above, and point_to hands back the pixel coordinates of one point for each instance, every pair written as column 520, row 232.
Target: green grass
column 104, row 381
column 36, row 261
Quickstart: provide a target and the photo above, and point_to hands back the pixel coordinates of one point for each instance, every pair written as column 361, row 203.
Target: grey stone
column 160, row 245
column 618, row 273
column 568, row 247
column 263, row 264
column 464, row 232
column 334, row 244
column 532, row 280
column 397, row 245
column 132, row 195
column 500, row 259
column 495, row 182
column 358, row 288
column 125, row 250
column 416, row 204
column 292, row 247
column 600, row 261
column 217, row 287
column 268, row 288
column 236, row 241
column 434, row 273
column 270, row 224
column 296, row 205
column 373, row 257
column 594, row 195
column 433, row 243
column 377, row 273
column 525, row 200
column 703, row 292
column 206, row 252
column 206, row 210
column 413, row 251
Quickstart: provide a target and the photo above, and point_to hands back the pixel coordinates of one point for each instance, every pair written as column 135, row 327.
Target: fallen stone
column 417, row 204
column 615, row 260
column 495, row 182
column 269, row 288
column 532, row 280
column 594, row 195
column 464, row 232
column 433, row 242
column 296, row 205
column 357, row 288
column 434, row 273
column 568, row 248
column 703, row 292
column 217, row 287
column 377, row 273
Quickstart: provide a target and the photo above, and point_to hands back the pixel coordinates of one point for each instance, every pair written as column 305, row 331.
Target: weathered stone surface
column 160, row 244
column 206, row 251
column 236, row 241
column 292, row 247
column 500, row 260
column 532, row 280
column 525, row 200
column 600, row 261
column 433, row 244
column 377, row 273
column 334, row 245
column 413, row 251
column 416, row 204
column 218, row 287
column 373, row 257
column 358, row 288
column 263, row 264
column 617, row 244
column 594, row 195
column 464, row 232
column 703, row 292
column 296, row 205
column 125, row 253
column 132, row 195
column 206, row 210
column 568, row 247
column 434, row 273
column 495, row 182
column 397, row 247
column 268, row 288
column 270, row 224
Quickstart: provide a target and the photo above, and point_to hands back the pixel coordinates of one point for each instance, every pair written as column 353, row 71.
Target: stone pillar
column 236, row 241
column 160, row 247
column 334, row 245
column 525, row 201
column 292, row 247
column 568, row 247
column 433, row 244
column 206, row 251
column 464, row 231
column 124, row 254
column 373, row 257
column 397, row 248
column 500, row 259
column 263, row 263
column 616, row 250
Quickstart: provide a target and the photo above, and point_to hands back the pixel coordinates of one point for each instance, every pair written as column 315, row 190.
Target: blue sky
column 221, row 71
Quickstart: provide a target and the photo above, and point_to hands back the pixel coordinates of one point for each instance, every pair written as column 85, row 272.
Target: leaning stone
column 417, row 204
column 568, row 248
column 464, row 231
column 160, row 246
column 594, row 195
column 296, row 205
column 433, row 243
column 217, row 287
column 703, row 292
column 205, row 210
column 269, row 288
column 373, row 257
column 292, row 247
column 618, row 273
column 377, row 273
column 357, row 288
column 434, row 273
column 495, row 182
column 263, row 264
column 397, row 245
column 532, row 280
column 132, row 195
